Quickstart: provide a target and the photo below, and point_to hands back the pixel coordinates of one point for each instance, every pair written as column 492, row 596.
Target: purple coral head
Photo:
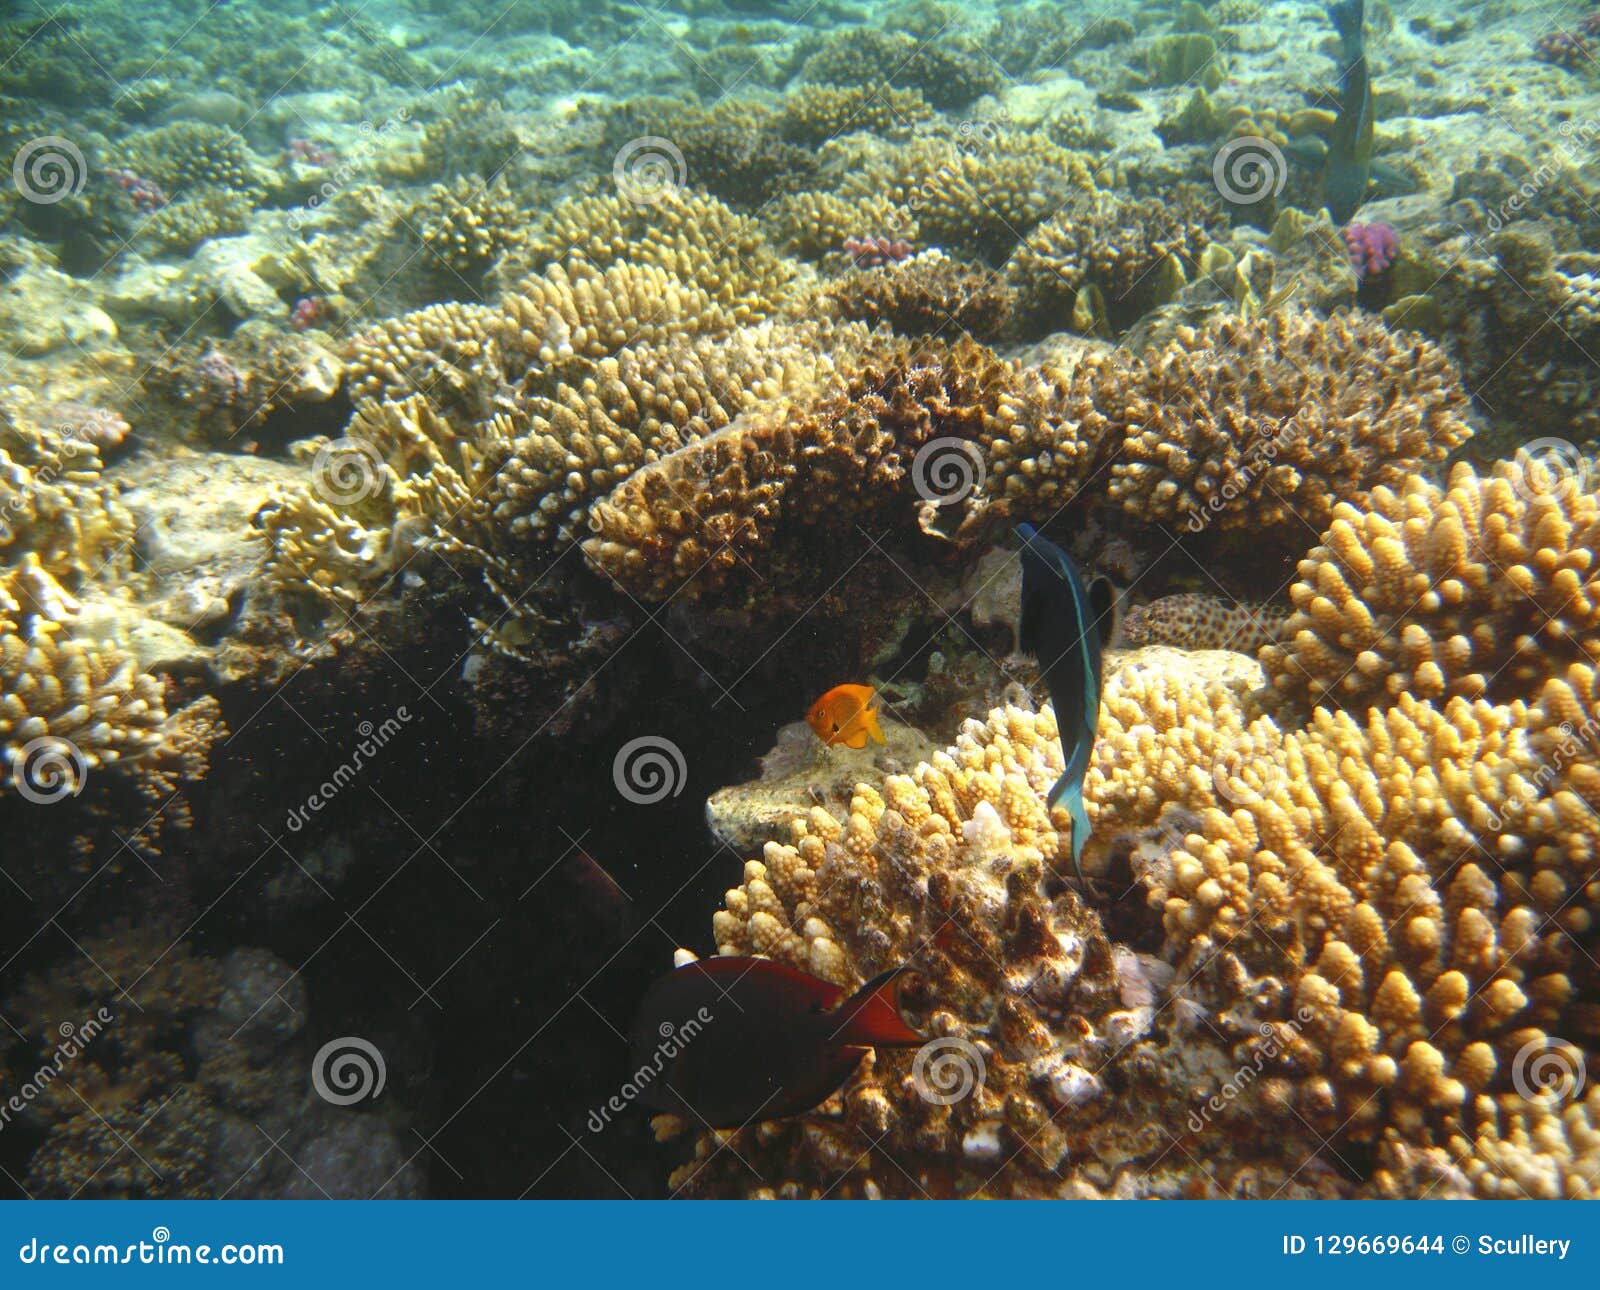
column 1373, row 248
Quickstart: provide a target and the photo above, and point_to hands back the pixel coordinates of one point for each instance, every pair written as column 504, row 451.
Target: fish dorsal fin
column 870, row 1018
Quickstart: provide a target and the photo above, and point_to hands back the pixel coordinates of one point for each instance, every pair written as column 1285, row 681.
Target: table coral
column 1482, row 587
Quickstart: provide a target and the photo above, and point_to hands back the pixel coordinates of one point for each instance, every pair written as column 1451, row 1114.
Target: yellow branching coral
column 928, row 294
column 446, row 352
column 979, row 199
column 588, row 313
column 813, row 114
column 52, row 505
column 67, row 707
column 1483, row 587
column 688, row 234
column 814, row 224
column 1380, row 921
column 650, row 400
column 1132, row 254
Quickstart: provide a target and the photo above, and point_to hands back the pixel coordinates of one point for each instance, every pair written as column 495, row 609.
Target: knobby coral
column 1383, row 923
column 1479, row 588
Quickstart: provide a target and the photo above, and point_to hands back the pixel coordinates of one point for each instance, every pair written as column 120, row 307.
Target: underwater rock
column 801, row 772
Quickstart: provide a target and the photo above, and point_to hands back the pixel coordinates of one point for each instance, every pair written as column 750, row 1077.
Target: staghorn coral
column 1193, row 620
column 692, row 521
column 1480, row 588
column 1333, row 923
column 1267, row 425
column 928, row 294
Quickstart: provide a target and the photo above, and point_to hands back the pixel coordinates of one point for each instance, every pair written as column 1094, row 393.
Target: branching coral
column 928, row 294
column 1267, row 425
column 813, row 114
column 1379, row 922
column 1133, row 253
column 691, row 521
column 979, row 196
column 1479, row 589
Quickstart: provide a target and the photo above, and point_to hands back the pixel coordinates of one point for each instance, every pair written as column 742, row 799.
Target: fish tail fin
column 1070, row 787
column 870, row 1018
column 873, row 728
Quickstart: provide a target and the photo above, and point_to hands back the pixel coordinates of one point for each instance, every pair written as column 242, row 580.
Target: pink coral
column 1373, row 248
column 870, row 252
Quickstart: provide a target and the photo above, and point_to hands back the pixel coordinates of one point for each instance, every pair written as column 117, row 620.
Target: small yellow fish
column 844, row 715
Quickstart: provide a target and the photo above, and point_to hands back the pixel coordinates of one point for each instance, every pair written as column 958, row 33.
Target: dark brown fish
column 727, row 1041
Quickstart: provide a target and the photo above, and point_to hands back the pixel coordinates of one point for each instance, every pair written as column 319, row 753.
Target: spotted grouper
column 1197, row 621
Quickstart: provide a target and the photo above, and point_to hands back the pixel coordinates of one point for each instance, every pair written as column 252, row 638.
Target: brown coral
column 929, row 294
column 1479, row 589
column 691, row 521
column 1267, row 425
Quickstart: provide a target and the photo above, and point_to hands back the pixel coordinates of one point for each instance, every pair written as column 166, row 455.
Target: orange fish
column 844, row 715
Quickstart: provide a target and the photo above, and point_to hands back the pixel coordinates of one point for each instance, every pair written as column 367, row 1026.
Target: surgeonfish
column 1066, row 624
column 730, row 1040
column 1348, row 169
column 845, row 715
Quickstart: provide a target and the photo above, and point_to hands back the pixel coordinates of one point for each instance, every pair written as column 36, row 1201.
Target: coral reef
column 1322, row 929
column 1479, row 588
